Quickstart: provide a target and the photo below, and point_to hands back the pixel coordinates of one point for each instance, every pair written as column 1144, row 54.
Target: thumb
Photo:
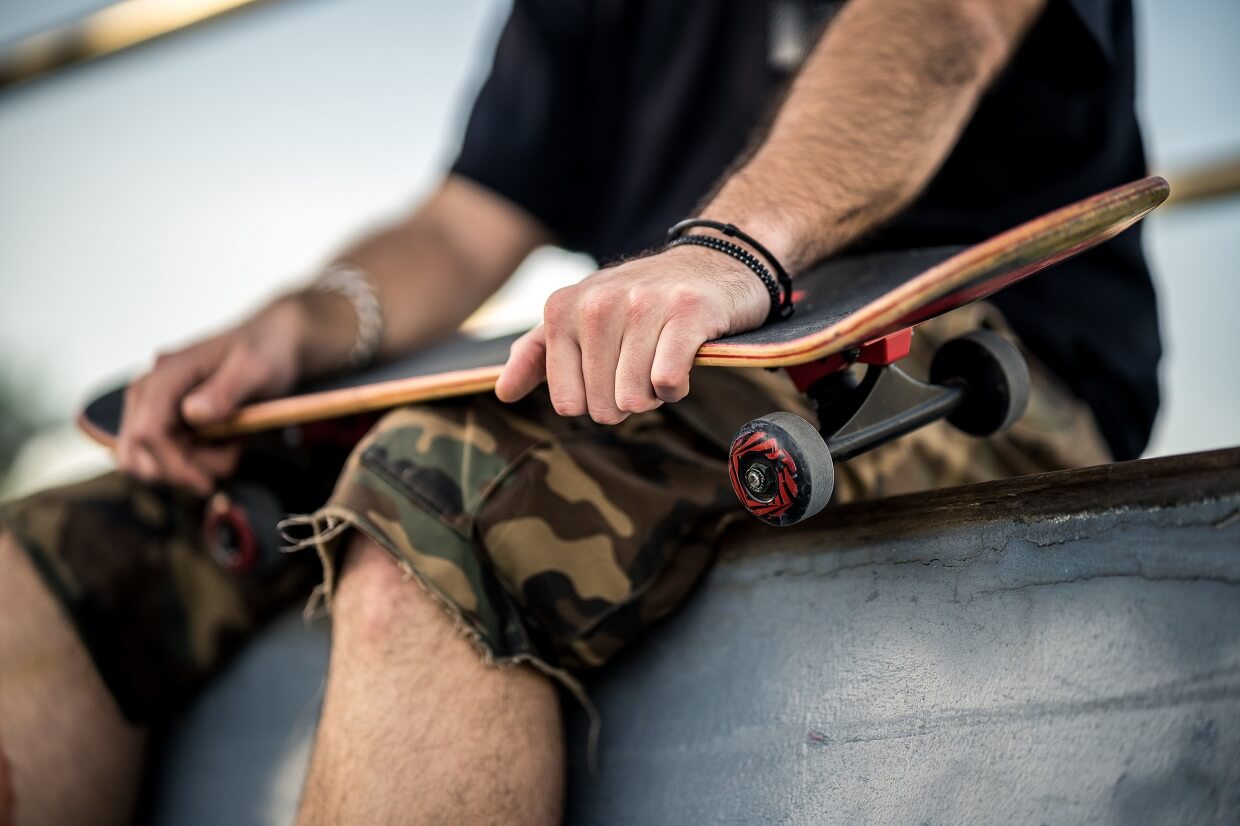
column 236, row 379
column 526, row 367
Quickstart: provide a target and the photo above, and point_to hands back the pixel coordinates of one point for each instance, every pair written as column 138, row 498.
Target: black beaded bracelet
column 778, row 285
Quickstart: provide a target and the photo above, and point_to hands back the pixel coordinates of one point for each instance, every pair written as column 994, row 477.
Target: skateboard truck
column 782, row 468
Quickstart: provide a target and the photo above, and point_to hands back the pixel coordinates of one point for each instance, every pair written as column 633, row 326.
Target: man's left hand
column 623, row 340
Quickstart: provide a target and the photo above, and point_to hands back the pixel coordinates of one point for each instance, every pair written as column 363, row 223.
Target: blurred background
column 152, row 196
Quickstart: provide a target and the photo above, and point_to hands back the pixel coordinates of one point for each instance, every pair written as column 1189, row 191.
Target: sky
column 150, row 197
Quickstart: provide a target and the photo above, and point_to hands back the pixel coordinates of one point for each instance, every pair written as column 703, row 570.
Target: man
column 477, row 552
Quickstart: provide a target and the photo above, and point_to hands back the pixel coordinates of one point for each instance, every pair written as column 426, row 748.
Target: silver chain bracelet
column 358, row 287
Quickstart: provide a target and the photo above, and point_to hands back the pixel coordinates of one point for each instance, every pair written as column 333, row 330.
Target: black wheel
column 240, row 526
column 781, row 469
column 994, row 376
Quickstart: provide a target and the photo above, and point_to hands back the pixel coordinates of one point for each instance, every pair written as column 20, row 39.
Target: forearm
column 431, row 271
column 874, row 112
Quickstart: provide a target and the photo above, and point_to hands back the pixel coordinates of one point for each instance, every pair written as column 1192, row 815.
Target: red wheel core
column 764, row 474
column 230, row 539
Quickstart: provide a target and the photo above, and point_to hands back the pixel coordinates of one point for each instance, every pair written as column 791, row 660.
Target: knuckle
column 633, row 401
column 606, row 415
column 598, row 308
column 642, row 300
column 685, row 300
column 567, row 407
column 141, row 431
column 559, row 306
column 670, row 383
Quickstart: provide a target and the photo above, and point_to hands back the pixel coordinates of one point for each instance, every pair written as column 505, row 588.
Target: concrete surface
column 1004, row 653
column 1061, row 648
column 240, row 754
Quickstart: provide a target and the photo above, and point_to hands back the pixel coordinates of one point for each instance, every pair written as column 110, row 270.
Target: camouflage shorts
column 551, row 541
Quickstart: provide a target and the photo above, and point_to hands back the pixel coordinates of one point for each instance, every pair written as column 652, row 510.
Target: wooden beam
column 107, row 31
column 1218, row 178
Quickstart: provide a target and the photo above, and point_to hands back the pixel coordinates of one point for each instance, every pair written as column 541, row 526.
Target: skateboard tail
column 971, row 275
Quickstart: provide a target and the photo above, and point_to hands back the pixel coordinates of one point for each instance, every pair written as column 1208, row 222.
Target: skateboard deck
column 840, row 304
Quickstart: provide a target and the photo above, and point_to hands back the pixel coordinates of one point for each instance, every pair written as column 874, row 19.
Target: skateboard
column 848, row 312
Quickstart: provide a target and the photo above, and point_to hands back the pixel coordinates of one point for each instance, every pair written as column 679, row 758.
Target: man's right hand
column 457, row 248
column 201, row 384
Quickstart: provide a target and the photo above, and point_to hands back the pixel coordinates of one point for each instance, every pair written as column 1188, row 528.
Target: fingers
column 216, row 460
column 223, row 391
column 634, row 391
column 564, row 380
column 673, row 359
column 526, row 367
column 149, row 415
column 624, row 340
column 601, row 334
column 186, row 465
column 611, row 352
column 175, row 467
column 153, row 443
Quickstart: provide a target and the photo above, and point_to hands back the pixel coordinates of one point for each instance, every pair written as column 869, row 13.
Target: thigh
column 66, row 754
column 128, row 564
column 549, row 540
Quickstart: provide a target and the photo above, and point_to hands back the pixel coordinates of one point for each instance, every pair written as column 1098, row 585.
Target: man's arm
column 431, row 270
column 876, row 109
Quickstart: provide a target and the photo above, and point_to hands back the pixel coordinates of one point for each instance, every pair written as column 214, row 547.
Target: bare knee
column 377, row 604
column 476, row 744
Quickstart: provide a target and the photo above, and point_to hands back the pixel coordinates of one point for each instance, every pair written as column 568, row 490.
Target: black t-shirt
column 609, row 121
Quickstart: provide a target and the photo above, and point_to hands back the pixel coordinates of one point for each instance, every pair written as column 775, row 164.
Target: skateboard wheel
column 240, row 527
column 781, row 469
column 995, row 378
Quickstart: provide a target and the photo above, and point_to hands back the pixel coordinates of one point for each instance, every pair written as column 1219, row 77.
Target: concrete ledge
column 1139, row 485
column 1061, row 648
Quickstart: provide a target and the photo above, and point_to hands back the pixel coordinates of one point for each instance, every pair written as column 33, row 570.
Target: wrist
column 732, row 241
column 317, row 328
column 335, row 323
column 794, row 234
